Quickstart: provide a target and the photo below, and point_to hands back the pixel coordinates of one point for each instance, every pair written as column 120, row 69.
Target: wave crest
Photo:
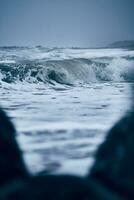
column 68, row 71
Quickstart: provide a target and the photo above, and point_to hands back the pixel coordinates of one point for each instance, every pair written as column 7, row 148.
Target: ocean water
column 63, row 101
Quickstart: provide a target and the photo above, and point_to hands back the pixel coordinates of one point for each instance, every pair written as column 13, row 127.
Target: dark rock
column 114, row 166
column 111, row 177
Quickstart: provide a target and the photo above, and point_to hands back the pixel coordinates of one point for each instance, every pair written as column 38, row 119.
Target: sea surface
column 63, row 101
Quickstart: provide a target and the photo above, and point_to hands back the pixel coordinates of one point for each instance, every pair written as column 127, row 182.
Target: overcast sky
column 84, row 23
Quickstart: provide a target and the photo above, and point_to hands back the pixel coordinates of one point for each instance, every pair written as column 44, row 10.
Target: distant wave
column 68, row 71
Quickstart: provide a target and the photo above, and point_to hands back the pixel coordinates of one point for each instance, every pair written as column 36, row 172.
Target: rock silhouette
column 111, row 177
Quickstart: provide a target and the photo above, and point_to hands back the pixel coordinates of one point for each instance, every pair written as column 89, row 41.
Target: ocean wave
column 68, row 72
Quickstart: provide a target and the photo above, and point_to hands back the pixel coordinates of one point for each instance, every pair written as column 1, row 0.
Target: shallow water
column 63, row 117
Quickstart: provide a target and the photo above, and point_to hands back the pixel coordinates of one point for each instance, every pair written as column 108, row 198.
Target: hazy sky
column 65, row 22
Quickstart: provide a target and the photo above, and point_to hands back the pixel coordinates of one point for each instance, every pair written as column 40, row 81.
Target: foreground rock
column 111, row 177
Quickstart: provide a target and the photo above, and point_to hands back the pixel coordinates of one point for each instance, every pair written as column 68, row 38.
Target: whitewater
column 63, row 101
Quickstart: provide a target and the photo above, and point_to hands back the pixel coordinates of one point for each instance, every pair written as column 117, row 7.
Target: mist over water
column 63, row 101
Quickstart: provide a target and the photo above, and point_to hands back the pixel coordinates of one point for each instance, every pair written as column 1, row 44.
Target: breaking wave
column 64, row 66
column 67, row 71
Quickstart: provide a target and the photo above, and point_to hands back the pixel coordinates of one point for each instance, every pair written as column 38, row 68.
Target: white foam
column 7, row 61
